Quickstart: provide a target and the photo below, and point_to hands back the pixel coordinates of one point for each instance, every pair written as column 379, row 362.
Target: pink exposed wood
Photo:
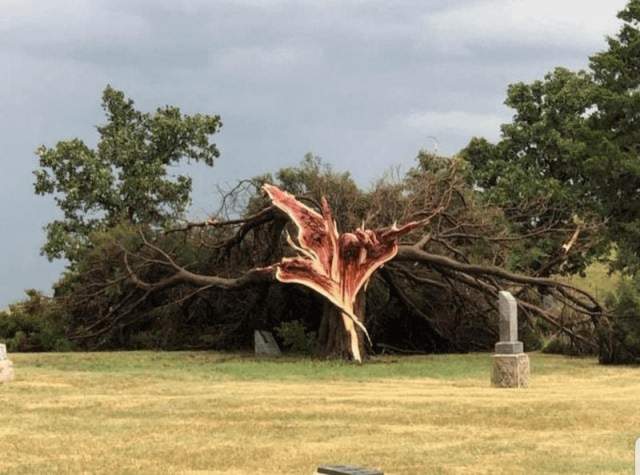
column 335, row 265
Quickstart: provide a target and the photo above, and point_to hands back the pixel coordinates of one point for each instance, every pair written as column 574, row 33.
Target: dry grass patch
column 147, row 412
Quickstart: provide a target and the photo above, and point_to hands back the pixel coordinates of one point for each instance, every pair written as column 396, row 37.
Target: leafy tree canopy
column 125, row 178
column 574, row 141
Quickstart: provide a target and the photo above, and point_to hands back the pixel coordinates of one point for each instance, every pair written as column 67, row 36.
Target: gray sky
column 363, row 84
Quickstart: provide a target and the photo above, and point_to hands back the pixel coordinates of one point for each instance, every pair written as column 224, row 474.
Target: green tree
column 616, row 74
column 574, row 142
column 126, row 177
column 541, row 171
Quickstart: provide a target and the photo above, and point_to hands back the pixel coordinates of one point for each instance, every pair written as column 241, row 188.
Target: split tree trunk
column 335, row 337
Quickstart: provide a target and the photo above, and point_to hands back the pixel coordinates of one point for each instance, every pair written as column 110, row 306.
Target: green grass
column 188, row 412
column 597, row 280
column 238, row 366
column 221, row 366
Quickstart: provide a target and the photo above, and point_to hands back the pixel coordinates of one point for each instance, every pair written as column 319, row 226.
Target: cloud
column 573, row 25
column 466, row 124
column 360, row 83
column 278, row 60
column 67, row 23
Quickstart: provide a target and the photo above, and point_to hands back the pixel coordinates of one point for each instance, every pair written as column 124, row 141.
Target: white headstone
column 508, row 306
column 6, row 366
column 510, row 364
column 548, row 301
column 508, row 316
column 265, row 344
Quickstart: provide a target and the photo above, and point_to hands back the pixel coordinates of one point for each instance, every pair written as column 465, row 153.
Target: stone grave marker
column 508, row 344
column 265, row 344
column 346, row 470
column 510, row 363
column 6, row 366
column 548, row 302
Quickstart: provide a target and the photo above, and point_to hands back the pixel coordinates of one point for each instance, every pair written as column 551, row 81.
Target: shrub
column 620, row 339
column 561, row 344
column 558, row 342
column 35, row 324
column 295, row 337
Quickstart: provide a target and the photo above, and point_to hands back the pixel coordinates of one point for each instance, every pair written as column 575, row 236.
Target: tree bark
column 336, row 333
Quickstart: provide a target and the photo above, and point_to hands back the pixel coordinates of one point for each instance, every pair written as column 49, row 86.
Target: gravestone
column 6, row 366
column 510, row 363
column 265, row 344
column 346, row 470
column 548, row 302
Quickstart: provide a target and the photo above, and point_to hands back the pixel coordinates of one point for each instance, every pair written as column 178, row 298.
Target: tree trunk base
column 334, row 340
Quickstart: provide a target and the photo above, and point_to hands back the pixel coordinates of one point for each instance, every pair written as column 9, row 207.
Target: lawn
column 189, row 412
column 596, row 280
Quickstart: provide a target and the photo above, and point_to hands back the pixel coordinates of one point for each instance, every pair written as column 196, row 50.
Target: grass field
column 597, row 280
column 145, row 412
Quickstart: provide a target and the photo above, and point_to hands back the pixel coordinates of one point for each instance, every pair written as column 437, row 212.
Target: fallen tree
column 437, row 292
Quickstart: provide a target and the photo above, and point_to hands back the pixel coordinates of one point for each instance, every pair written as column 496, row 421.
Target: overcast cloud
column 364, row 84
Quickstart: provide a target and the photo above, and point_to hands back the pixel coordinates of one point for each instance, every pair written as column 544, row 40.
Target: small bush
column 295, row 337
column 530, row 337
column 562, row 344
column 35, row 324
column 620, row 340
